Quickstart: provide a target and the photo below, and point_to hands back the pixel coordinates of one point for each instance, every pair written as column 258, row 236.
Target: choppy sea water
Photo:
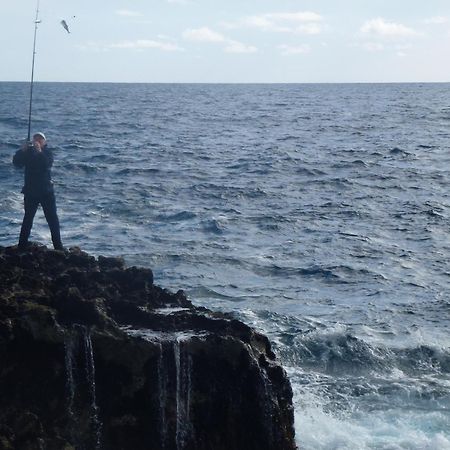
column 317, row 213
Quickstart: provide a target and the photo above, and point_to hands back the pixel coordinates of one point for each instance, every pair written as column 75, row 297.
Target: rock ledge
column 95, row 356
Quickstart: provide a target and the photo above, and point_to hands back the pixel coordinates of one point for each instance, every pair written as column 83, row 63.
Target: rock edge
column 95, row 356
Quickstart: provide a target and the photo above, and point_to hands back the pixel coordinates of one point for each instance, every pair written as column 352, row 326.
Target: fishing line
column 36, row 22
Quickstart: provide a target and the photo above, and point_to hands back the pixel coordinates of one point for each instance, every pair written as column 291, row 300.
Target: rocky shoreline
column 95, row 356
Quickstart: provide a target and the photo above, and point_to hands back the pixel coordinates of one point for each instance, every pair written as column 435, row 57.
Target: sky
column 234, row 41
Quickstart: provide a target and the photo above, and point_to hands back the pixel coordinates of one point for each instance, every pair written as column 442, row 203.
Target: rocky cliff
column 93, row 355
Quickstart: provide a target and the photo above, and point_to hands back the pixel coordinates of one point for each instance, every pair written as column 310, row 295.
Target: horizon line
column 228, row 82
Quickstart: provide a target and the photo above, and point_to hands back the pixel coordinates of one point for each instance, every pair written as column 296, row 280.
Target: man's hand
column 26, row 145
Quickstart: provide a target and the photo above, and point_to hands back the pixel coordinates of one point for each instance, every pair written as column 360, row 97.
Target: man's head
column 39, row 138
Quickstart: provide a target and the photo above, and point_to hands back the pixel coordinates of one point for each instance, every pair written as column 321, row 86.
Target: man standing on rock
column 37, row 159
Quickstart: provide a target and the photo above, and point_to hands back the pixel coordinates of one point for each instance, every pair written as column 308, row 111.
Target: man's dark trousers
column 48, row 204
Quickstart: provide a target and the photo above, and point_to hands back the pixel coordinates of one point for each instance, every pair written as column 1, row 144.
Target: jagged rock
column 93, row 355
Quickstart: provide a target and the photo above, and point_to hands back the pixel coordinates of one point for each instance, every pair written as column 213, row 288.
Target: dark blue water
column 318, row 213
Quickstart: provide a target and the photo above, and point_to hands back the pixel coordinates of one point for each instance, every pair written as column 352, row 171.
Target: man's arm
column 41, row 156
column 19, row 158
column 46, row 156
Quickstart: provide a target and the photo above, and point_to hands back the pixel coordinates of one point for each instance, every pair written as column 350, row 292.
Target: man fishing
column 37, row 159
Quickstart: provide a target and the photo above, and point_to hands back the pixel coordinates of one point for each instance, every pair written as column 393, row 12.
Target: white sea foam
column 318, row 430
column 162, row 336
column 322, row 424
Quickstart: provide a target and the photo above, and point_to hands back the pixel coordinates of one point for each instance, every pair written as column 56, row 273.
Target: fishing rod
column 36, row 22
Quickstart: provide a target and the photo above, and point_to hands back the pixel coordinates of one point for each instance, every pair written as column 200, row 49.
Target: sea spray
column 174, row 371
column 90, row 376
column 183, row 366
column 162, row 388
column 80, row 386
column 70, row 382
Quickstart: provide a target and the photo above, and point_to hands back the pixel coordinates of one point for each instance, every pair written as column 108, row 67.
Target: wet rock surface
column 93, row 355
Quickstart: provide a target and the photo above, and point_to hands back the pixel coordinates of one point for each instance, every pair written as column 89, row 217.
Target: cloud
column 294, row 50
column 381, row 35
column 260, row 22
column 373, row 46
column 437, row 20
column 300, row 22
column 91, row 46
column 305, row 16
column 309, row 28
column 127, row 13
column 381, row 28
column 400, row 49
column 403, row 46
column 142, row 44
column 239, row 47
column 205, row 34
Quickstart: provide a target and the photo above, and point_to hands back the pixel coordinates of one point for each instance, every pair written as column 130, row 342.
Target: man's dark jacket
column 38, row 177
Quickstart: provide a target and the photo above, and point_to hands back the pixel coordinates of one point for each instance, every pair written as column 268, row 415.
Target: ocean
column 318, row 214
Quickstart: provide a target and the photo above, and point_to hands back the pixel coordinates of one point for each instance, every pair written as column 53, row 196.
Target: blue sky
column 232, row 41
